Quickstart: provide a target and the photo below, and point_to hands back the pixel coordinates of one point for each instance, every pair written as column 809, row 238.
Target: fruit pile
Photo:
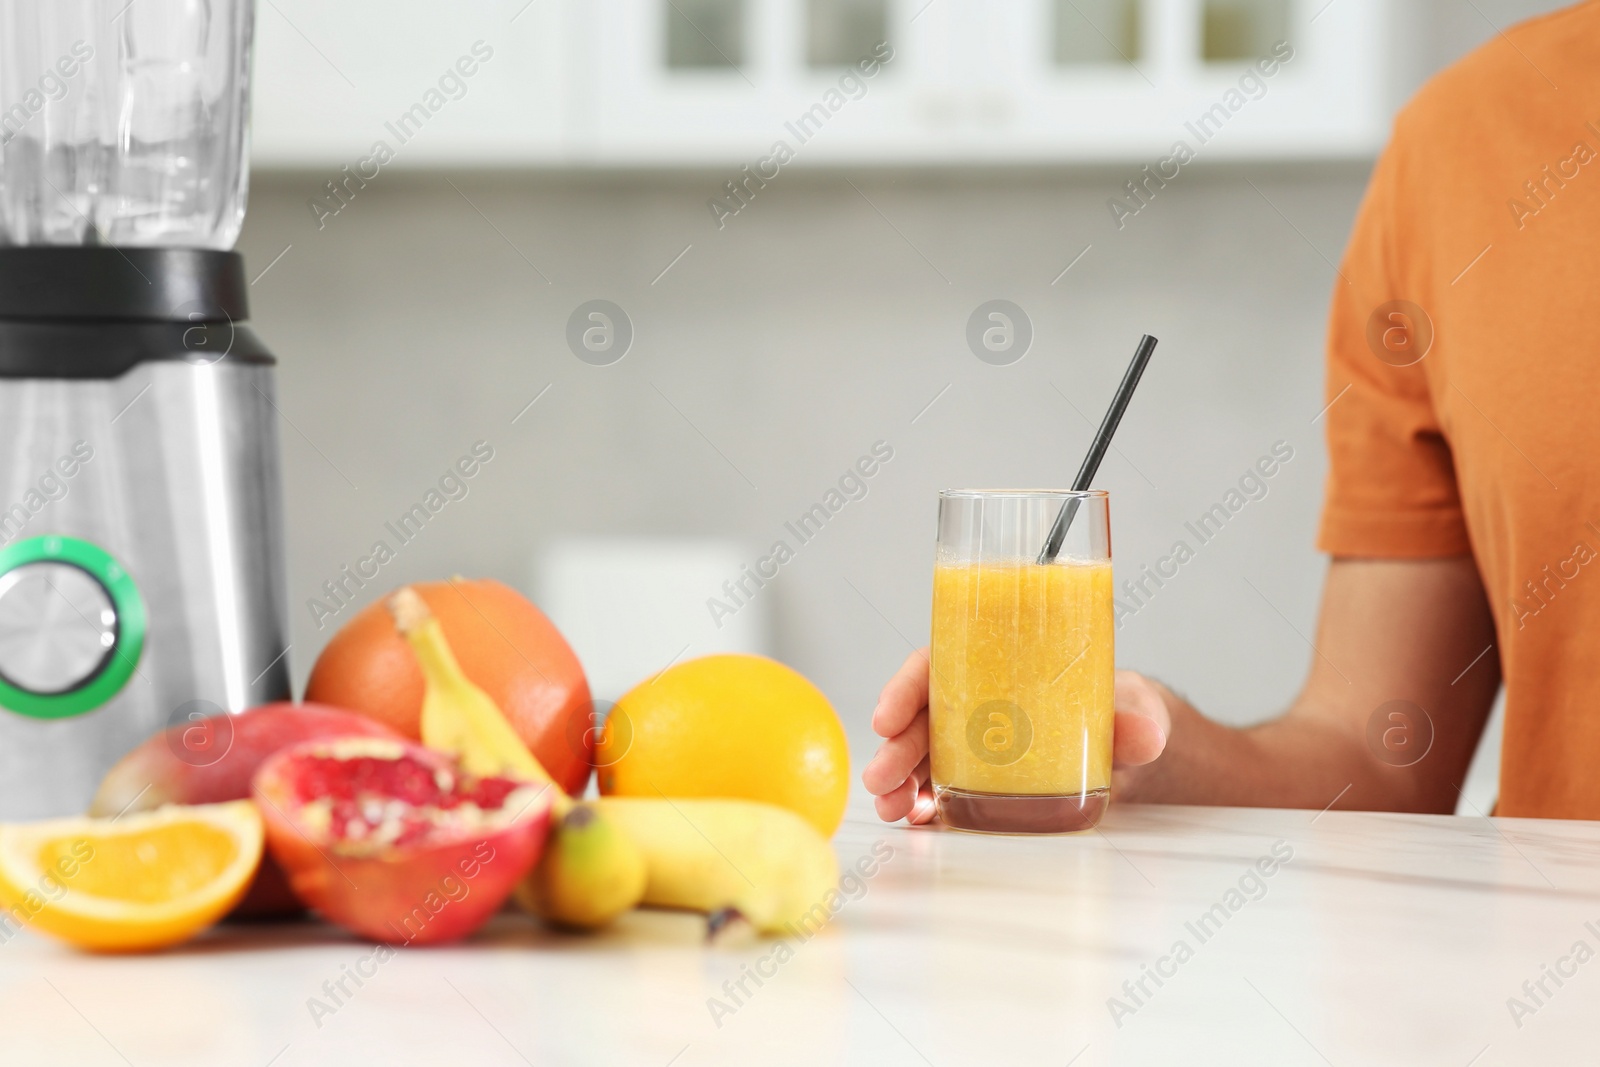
column 435, row 772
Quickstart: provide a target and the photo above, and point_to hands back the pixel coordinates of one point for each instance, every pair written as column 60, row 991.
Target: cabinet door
column 1231, row 79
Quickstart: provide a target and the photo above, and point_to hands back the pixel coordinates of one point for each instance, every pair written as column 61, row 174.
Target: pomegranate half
column 394, row 841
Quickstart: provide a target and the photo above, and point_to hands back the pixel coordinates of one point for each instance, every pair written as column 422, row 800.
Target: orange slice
column 136, row 882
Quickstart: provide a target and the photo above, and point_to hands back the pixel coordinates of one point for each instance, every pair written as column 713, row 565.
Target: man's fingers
column 1142, row 721
column 911, row 800
column 1136, row 741
column 898, row 802
column 897, row 758
column 904, row 696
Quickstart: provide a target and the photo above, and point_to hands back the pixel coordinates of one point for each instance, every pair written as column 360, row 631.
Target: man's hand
column 898, row 774
column 1412, row 630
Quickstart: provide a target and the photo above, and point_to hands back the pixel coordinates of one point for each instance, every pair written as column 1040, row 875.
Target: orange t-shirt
column 1477, row 253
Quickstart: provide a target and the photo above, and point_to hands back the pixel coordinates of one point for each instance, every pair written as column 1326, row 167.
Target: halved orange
column 136, row 882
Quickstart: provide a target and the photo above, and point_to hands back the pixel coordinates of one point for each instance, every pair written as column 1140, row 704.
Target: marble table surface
column 1278, row 937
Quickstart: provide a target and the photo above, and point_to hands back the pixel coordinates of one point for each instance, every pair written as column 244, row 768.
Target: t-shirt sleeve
column 1391, row 489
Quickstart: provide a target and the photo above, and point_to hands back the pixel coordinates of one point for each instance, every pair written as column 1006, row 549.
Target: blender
column 141, row 559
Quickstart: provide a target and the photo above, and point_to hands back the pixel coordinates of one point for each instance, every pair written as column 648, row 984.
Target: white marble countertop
column 1384, row 939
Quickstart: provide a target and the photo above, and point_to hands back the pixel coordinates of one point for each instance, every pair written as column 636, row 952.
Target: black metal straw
column 1097, row 448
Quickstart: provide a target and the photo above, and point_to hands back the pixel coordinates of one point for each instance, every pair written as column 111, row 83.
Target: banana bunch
column 732, row 859
column 729, row 858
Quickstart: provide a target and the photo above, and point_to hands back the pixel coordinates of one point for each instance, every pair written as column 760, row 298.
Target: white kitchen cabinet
column 719, row 82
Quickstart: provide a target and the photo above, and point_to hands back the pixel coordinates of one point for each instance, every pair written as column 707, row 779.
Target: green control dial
column 72, row 627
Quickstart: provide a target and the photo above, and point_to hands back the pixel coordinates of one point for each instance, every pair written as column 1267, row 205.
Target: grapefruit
column 505, row 645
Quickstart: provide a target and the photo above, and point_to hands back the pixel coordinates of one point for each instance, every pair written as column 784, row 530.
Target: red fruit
column 214, row 759
column 504, row 644
column 394, row 841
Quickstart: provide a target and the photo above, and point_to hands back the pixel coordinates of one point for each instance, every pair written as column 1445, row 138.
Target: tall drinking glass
column 1020, row 688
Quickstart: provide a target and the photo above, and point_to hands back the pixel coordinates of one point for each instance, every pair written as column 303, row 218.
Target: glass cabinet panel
column 1096, row 31
column 1242, row 29
column 704, row 33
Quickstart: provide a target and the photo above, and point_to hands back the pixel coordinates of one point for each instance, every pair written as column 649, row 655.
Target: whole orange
column 504, row 644
column 729, row 726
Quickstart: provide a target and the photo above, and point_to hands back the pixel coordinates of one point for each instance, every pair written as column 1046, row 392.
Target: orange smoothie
column 1020, row 699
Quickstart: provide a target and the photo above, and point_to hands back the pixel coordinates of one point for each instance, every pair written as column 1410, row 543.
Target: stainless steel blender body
column 141, row 557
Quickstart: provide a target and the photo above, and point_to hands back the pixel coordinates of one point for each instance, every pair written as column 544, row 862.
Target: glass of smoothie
column 1020, row 685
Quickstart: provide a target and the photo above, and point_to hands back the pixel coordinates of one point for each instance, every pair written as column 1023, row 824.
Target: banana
column 591, row 872
column 759, row 861
column 457, row 716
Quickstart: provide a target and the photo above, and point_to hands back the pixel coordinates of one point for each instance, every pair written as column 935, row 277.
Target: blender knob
column 58, row 627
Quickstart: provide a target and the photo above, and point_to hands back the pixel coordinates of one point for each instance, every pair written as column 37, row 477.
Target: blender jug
column 141, row 562
column 123, row 123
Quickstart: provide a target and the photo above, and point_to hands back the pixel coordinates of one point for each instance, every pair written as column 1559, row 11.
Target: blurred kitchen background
column 539, row 155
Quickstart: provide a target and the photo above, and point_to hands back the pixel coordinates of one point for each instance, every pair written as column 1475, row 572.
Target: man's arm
column 1388, row 630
